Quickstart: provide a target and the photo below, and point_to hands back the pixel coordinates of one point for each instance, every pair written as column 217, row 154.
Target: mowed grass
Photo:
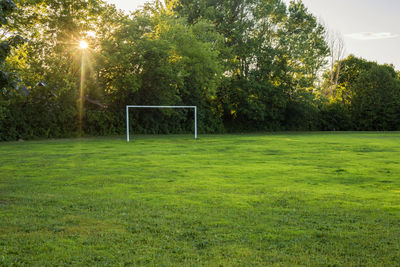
column 290, row 199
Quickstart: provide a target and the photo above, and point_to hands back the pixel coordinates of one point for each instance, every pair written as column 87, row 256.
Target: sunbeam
column 83, row 46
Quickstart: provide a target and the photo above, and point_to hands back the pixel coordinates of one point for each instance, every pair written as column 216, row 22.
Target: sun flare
column 83, row 44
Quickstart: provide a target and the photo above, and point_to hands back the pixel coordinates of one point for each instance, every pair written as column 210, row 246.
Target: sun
column 83, row 44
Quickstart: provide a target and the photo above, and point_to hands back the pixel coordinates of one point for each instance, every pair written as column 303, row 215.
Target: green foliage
column 304, row 48
column 49, row 66
column 335, row 117
column 168, row 63
column 6, row 8
column 7, row 42
column 303, row 112
column 309, row 199
column 252, row 105
column 273, row 52
column 371, row 93
column 57, row 118
column 247, row 65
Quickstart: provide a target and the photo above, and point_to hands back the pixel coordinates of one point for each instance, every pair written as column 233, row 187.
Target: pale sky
column 127, row 5
column 371, row 28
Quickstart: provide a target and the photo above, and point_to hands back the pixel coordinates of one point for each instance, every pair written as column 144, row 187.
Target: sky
column 370, row 28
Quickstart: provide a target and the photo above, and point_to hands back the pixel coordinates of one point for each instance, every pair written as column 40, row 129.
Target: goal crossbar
column 141, row 106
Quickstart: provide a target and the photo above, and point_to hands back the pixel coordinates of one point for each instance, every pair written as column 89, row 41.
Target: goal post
column 140, row 106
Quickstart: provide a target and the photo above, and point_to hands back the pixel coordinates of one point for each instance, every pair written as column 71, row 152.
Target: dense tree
column 9, row 95
column 49, row 64
column 7, row 41
column 371, row 93
column 302, row 40
column 274, row 52
column 157, row 59
column 247, row 65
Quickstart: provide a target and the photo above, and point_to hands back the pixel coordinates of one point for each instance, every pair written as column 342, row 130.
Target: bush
column 302, row 113
column 335, row 117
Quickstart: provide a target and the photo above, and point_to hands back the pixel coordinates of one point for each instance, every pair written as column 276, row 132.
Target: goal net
column 179, row 107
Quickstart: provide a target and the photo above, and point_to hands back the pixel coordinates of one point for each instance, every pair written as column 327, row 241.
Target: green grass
column 306, row 199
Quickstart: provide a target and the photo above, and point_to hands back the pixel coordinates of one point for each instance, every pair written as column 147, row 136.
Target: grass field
column 301, row 199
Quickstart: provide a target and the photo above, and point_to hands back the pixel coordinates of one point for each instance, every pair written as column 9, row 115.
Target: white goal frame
column 140, row 106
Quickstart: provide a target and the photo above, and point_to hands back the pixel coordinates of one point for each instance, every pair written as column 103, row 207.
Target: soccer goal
column 135, row 106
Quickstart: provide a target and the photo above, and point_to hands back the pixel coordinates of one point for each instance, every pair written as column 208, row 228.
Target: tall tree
column 274, row 53
column 157, row 58
column 336, row 55
column 303, row 46
column 371, row 93
column 50, row 64
column 7, row 41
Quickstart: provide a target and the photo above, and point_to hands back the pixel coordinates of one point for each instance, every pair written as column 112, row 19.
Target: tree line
column 249, row 65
